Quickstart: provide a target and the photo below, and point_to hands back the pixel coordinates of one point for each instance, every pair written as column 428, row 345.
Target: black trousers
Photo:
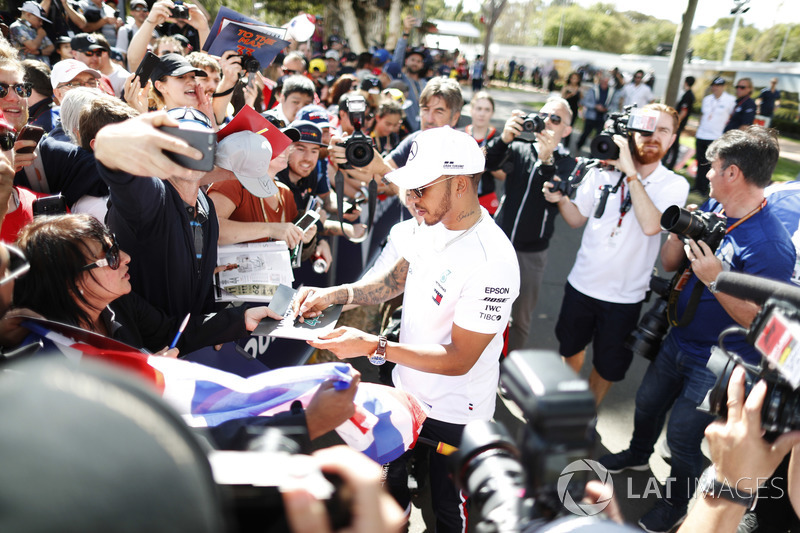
column 588, row 127
column 449, row 504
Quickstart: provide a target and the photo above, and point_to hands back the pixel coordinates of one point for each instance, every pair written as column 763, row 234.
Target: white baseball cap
column 439, row 152
column 247, row 155
column 34, row 9
column 65, row 71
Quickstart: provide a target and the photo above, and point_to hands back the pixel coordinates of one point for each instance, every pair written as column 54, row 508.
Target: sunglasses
column 555, row 119
column 17, row 264
column 742, row 87
column 23, row 90
column 289, row 71
column 92, row 83
column 418, row 190
column 190, row 114
column 111, row 259
column 7, row 140
column 139, row 8
column 92, row 53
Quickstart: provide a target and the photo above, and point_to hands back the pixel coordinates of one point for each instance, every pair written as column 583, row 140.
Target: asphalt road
column 615, row 416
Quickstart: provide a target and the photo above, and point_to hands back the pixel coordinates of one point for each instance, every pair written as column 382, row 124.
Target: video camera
column 709, row 228
column 775, row 332
column 628, row 122
column 358, row 147
column 520, row 486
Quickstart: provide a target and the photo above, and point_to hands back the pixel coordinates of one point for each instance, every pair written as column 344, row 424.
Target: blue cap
column 309, row 132
column 316, row 114
column 382, row 55
column 393, row 70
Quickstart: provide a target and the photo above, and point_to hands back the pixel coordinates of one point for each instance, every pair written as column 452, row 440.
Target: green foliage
column 645, row 36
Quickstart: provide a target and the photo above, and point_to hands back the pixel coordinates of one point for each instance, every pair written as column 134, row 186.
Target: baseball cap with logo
column 174, row 65
column 316, row 114
column 309, row 132
column 718, row 81
column 247, row 155
column 83, row 42
column 65, row 71
column 439, row 152
column 34, row 9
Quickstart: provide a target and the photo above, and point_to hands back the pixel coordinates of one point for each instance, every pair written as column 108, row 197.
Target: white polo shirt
column 715, row 114
column 472, row 283
column 615, row 260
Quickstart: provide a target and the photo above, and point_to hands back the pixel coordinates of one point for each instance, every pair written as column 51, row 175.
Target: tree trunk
column 492, row 11
column 350, row 26
column 375, row 25
column 395, row 24
column 678, row 56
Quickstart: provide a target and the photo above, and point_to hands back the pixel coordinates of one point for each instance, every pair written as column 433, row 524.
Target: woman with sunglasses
column 79, row 276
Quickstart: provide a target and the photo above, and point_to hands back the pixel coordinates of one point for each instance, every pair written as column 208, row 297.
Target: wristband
column 629, row 179
column 350, row 294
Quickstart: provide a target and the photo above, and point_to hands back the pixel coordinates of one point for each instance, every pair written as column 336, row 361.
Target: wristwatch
column 709, row 486
column 379, row 355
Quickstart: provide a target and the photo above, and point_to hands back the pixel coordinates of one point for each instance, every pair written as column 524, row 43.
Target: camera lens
column 604, row 147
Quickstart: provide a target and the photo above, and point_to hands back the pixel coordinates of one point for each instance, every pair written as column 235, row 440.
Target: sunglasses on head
column 418, row 190
column 189, row 114
column 23, row 90
column 555, row 119
column 17, row 265
column 7, row 140
column 111, row 258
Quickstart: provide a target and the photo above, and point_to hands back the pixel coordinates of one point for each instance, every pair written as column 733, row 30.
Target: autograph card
column 288, row 328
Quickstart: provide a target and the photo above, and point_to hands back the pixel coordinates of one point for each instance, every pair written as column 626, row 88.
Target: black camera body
column 493, row 470
column 781, row 410
column 626, row 123
column 179, row 11
column 646, row 339
column 358, row 148
column 568, row 186
column 533, row 123
column 250, row 64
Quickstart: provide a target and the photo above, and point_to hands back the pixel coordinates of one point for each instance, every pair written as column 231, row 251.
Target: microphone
column 758, row 290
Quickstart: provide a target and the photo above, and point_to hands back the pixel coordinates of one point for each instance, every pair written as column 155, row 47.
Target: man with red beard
column 608, row 282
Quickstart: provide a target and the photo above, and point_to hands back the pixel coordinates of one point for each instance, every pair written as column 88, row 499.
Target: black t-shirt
column 686, row 102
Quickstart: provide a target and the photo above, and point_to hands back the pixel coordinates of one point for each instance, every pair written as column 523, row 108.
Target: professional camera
column 626, row 123
column 568, row 186
column 520, row 486
column 646, row 339
column 179, row 11
column 252, row 481
column 774, row 333
column 358, row 147
column 698, row 225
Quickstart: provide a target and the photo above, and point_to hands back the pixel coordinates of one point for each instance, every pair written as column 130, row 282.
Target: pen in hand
column 180, row 331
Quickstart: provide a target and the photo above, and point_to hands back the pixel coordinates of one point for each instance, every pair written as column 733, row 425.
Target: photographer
column 524, row 215
column 610, row 277
column 755, row 242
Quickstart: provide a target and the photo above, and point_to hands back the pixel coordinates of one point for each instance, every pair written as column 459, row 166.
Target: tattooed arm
column 310, row 301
